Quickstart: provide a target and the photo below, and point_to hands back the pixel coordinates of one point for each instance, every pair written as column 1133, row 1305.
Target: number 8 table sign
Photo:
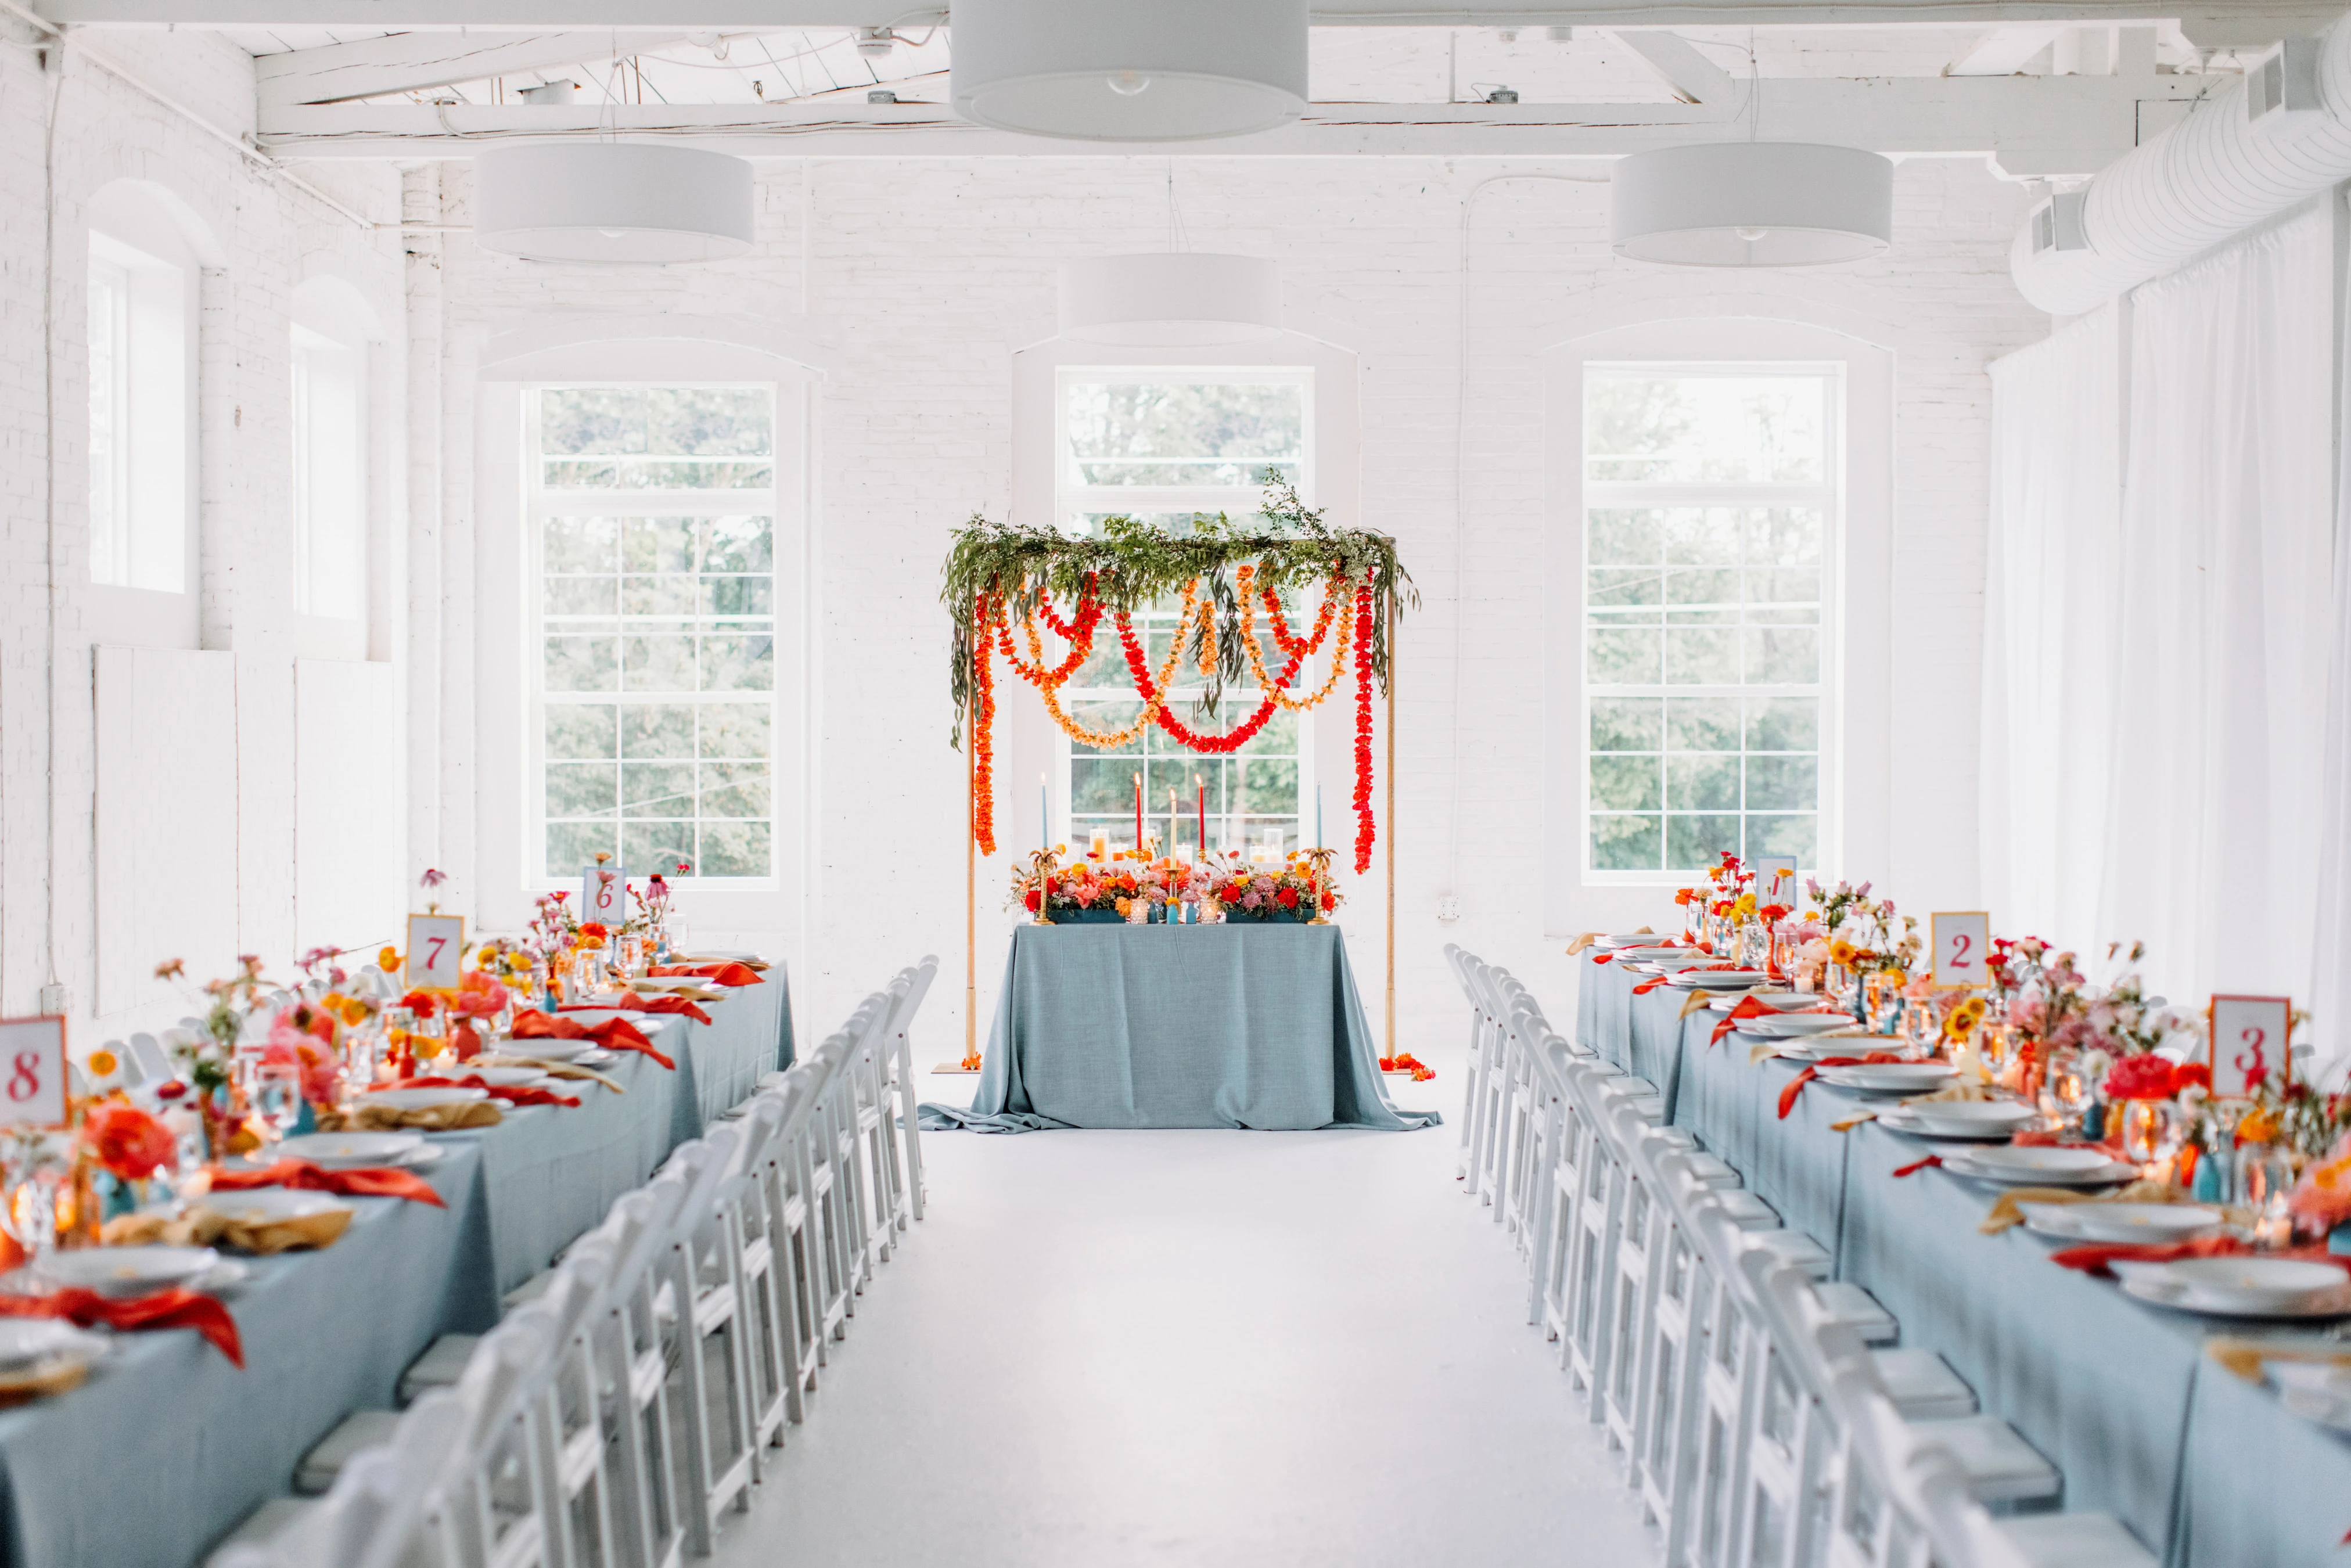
column 33, row 1085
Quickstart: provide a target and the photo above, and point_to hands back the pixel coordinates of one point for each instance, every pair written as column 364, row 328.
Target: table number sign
column 436, row 951
column 1775, row 878
column 1962, row 945
column 604, row 894
column 2250, row 1043
column 32, row 1071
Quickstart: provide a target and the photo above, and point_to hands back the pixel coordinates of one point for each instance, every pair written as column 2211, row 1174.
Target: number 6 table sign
column 604, row 894
column 1962, row 943
column 436, row 951
column 2250, row 1042
column 33, row 1072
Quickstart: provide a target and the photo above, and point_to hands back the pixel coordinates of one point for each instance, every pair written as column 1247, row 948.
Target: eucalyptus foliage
column 1134, row 566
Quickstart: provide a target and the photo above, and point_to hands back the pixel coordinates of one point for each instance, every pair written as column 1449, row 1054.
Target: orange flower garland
column 1366, row 832
column 1298, row 649
column 983, row 715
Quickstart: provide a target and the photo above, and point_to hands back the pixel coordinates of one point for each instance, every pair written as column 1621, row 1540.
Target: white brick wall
column 927, row 277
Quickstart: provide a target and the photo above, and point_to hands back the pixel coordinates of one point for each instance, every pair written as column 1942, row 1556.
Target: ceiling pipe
column 2279, row 135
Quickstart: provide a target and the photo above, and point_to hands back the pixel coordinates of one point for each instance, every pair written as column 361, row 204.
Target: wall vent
column 2282, row 85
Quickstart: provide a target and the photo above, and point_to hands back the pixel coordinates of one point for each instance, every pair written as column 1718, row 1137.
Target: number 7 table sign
column 33, row 1072
column 436, row 952
column 1962, row 943
column 2250, row 1043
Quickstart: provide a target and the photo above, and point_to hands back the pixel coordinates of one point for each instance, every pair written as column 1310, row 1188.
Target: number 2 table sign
column 604, row 894
column 32, row 1071
column 2250, row 1042
column 436, row 951
column 1962, row 943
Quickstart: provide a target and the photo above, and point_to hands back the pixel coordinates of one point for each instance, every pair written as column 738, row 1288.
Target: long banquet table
column 2210, row 1472
column 167, row 1445
column 1229, row 1025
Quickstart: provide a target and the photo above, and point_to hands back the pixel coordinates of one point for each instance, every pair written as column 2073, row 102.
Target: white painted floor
column 1194, row 1347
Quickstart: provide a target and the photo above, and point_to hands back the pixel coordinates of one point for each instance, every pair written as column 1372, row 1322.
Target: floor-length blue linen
column 1179, row 1026
column 2209, row 1470
column 167, row 1445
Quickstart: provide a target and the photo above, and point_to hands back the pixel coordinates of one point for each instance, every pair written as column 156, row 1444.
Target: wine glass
column 2151, row 1134
column 276, row 1095
column 2066, row 1093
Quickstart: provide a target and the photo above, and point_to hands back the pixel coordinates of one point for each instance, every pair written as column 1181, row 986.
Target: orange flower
column 388, row 959
column 2323, row 1197
column 102, row 1064
column 127, row 1141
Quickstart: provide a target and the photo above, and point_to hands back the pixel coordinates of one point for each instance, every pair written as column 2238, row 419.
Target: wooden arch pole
column 1389, row 804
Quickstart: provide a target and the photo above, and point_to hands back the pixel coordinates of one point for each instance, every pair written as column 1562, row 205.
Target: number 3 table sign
column 436, row 952
column 2250, row 1043
column 1962, row 943
column 32, row 1082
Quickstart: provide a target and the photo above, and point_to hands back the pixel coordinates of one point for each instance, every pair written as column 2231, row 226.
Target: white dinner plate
column 1818, row 1047
column 1627, row 939
column 1891, row 1077
column 121, row 1270
column 2334, row 1303
column 268, row 1205
column 1677, row 957
column 2148, row 1222
column 1902, row 1119
column 2039, row 1165
column 547, row 1050
column 2241, row 1285
column 1972, row 1118
column 1775, row 1001
column 346, row 1151
column 1718, row 980
column 1794, row 1026
column 510, row 1077
column 26, row 1343
column 424, row 1099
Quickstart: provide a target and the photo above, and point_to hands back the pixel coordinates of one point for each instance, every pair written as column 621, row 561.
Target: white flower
column 2095, row 1065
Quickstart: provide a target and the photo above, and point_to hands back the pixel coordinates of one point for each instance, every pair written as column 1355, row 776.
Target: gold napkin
column 16, row 1388
column 206, row 1226
column 2245, row 1356
column 686, row 988
column 2006, row 1215
column 455, row 1117
column 552, row 1069
column 1587, row 938
column 1699, row 998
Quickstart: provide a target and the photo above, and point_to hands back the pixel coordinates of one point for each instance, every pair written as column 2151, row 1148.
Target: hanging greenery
column 999, row 578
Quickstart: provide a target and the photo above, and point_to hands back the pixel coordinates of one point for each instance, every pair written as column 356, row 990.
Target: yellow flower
column 2258, row 1128
column 1746, row 905
column 1842, row 951
column 388, row 959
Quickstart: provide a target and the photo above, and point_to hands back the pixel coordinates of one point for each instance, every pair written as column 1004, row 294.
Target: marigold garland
column 1366, row 832
column 983, row 721
column 1298, row 649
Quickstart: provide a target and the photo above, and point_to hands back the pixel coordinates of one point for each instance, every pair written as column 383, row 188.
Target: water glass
column 2066, row 1093
column 2152, row 1132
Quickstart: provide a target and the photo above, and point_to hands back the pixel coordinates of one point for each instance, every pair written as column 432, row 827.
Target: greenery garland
column 1132, row 565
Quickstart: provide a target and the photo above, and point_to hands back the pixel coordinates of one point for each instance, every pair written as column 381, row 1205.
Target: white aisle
column 1197, row 1347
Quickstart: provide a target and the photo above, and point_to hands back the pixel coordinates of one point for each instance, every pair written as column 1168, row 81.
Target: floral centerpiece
column 1225, row 886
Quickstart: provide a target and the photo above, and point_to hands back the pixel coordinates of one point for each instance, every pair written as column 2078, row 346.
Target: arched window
column 327, row 357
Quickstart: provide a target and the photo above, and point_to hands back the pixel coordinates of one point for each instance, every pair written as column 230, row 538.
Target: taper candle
column 1138, row 814
column 1203, row 827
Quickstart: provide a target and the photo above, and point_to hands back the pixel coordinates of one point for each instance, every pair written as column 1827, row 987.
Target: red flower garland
column 983, row 715
column 1366, row 830
column 1232, row 740
column 1282, row 636
column 1079, row 637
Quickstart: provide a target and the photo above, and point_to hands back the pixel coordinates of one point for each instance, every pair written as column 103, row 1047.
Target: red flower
column 1286, row 897
column 2190, row 1074
column 2143, row 1078
column 1330, row 902
column 1032, row 900
column 595, row 930
column 127, row 1141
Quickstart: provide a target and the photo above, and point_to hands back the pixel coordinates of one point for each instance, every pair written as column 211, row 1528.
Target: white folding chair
column 700, row 1268
column 900, row 1046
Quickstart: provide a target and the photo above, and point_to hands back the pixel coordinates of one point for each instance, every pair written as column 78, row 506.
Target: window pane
column 1704, row 429
column 1702, row 783
column 636, row 438
column 1625, row 843
column 1695, row 843
column 1620, row 723
column 1626, row 784
column 1159, row 432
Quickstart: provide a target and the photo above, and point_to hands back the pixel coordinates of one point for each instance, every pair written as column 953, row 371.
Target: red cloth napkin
column 1749, row 1008
column 2094, row 1258
column 640, row 1002
column 368, row 1181
column 1601, row 957
column 512, row 1093
column 612, row 1034
column 1796, row 1084
column 727, row 974
column 173, row 1309
column 1915, row 1167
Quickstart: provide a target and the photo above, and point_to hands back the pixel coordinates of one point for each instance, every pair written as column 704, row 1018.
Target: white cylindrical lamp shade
column 1751, row 203
column 1171, row 299
column 1129, row 70
column 611, row 203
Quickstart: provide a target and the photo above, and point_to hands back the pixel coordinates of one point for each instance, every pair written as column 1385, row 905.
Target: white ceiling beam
column 416, row 62
column 744, row 15
column 1680, row 65
column 2002, row 51
column 2032, row 125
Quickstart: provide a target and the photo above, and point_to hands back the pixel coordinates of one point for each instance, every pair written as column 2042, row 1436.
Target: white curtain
column 2050, row 593
column 2219, row 712
column 2331, row 982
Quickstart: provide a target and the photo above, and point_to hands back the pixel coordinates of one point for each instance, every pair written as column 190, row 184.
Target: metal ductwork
column 2249, row 153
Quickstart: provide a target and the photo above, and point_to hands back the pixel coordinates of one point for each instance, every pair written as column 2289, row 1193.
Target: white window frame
column 110, row 530
column 155, row 415
column 1825, row 496
column 1856, row 776
column 311, row 351
column 1071, row 497
column 644, row 503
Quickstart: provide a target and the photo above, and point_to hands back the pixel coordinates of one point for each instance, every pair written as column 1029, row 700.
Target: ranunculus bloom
column 1287, row 897
column 2142, row 1078
column 127, row 1140
column 2322, row 1199
column 480, row 996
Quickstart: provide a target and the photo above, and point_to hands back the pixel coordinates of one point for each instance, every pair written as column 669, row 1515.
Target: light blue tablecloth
column 1179, row 1026
column 167, row 1445
column 2211, row 1472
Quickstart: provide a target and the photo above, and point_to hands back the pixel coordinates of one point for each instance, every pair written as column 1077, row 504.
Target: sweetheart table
column 1228, row 1025
column 2209, row 1471
column 168, row 1446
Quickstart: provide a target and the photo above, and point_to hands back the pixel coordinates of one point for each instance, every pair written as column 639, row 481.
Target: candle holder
column 1320, row 859
column 1040, row 881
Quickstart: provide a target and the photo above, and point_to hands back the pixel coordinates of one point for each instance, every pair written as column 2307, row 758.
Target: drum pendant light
column 611, row 203
column 1171, row 299
column 1129, row 70
column 1751, row 203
